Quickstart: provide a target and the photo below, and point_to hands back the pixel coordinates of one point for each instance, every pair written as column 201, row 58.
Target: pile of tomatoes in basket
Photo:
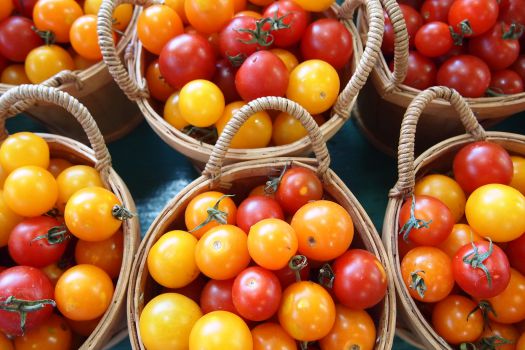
column 39, row 38
column 472, row 46
column 211, row 57
column 462, row 243
column 278, row 264
column 60, row 247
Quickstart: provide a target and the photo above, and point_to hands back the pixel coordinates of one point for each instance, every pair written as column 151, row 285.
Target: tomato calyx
column 22, row 307
column 202, row 134
column 456, row 38
column 326, row 276
column 465, row 27
column 514, row 32
column 486, row 308
column 475, row 260
column 214, row 214
column 273, row 184
column 296, row 264
column 417, row 283
column 487, row 343
column 53, row 213
column 259, row 36
column 46, row 35
column 55, row 235
column 237, row 60
column 413, row 222
column 121, row 213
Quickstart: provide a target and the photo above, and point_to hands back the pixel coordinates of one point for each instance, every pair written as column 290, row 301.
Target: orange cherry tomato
column 518, row 178
column 288, row 58
column 261, row 2
column 287, row 129
column 446, row 190
column 45, row 61
column 520, row 345
column 83, row 328
column 507, row 332
column 5, row 343
column 260, row 191
column 23, row 148
column 73, row 179
column 271, row 336
column 172, row 112
column 509, row 306
column 208, row 16
column 56, row 16
column 156, row 25
column 239, row 5
column 121, row 15
column 57, row 165
column 6, row 8
column 53, row 334
column 249, row 13
column 197, row 212
column 106, row 254
column 461, row 234
column 157, row 85
column 84, row 38
column 14, row 74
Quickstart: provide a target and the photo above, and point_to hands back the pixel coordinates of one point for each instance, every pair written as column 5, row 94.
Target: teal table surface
column 154, row 172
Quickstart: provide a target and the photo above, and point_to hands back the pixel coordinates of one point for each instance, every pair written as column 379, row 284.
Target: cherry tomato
column 24, row 7
column 17, row 38
column 171, row 260
column 427, row 274
column 84, row 38
column 506, row 82
column 494, row 47
column 506, row 336
column 89, row 214
column 461, row 235
column 270, row 336
column 288, row 58
column 192, row 290
column 7, row 344
column 224, row 78
column 413, row 21
column 473, row 17
column 287, row 276
column 121, row 15
column 82, row 63
column 55, row 270
column 217, row 295
column 469, row 75
column 235, row 40
column 24, row 283
column 352, row 329
column 201, row 103
column 261, row 191
column 435, row 10
column 56, row 16
column 515, row 252
column 307, row 311
column 454, row 320
column 30, row 191
column 222, row 253
column 297, row 187
column 496, row 211
column 314, row 84
column 324, row 230
column 256, row 208
column 23, row 148
column 83, row 328
column 83, row 292
column 287, row 129
column 421, row 71
column 511, row 11
column 309, row 5
column 480, row 163
column 519, row 66
column 57, row 165
column 208, row 16
column 53, row 334
column 446, row 190
column 360, row 279
column 250, row 13
column 294, row 20
column 167, row 320
column 178, row 6
column 14, row 74
column 76, row 178
column 8, row 220
column 197, row 212
column 186, row 57
column 45, row 61
column 172, row 112
column 520, row 344
column 106, row 254
column 220, row 330
column 509, row 306
column 261, row 74
column 434, row 39
column 156, row 25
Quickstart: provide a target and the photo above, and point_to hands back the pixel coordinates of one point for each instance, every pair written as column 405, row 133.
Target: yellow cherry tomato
column 75, row 178
column 156, row 25
column 315, row 5
column 14, row 74
column 24, row 148
column 256, row 132
column 172, row 112
column 518, row 179
column 287, row 129
column 171, row 260
column 57, row 165
column 201, row 103
column 53, row 334
column 288, row 58
column 106, row 254
column 8, row 220
column 30, row 191
column 45, row 61
column 446, row 190
column 314, row 84
column 84, row 38
column 121, row 15
column 178, row 6
column 167, row 320
column 56, row 16
column 496, row 211
column 208, row 16
column 5, row 343
column 89, row 214
column 157, row 85
column 220, row 330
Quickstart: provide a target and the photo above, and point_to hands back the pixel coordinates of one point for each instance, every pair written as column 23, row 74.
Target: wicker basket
column 384, row 99
column 113, row 320
column 95, row 89
column 133, row 84
column 241, row 177
column 437, row 158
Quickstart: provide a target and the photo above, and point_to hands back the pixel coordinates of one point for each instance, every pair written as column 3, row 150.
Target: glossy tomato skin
column 156, row 25
column 197, row 211
column 433, row 39
column 187, row 57
column 287, row 276
column 208, row 16
column 515, row 252
column 480, row 163
column 233, row 39
column 512, row 11
column 224, row 78
column 217, row 295
column 360, row 279
column 480, row 14
column 327, row 39
column 505, row 331
column 413, row 22
column 461, row 235
column 28, row 247
column 435, row 10
column 352, row 328
column 262, row 74
column 17, row 38
column 269, row 335
column 53, row 334
column 27, row 283
column 256, row 293
column 469, row 75
column 256, row 208
column 56, row 16
column 519, row 66
column 421, row 71
column 506, row 82
column 494, row 49
column 298, row 186
column 509, row 306
column 292, row 15
column 220, row 330
column 446, row 190
column 25, row 7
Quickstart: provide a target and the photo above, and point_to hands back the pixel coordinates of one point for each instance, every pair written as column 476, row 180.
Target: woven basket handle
column 370, row 55
column 401, row 43
column 132, row 89
column 214, row 166
column 46, row 94
column 405, row 161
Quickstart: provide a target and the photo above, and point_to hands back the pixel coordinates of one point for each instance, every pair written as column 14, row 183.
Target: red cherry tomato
column 469, row 75
column 512, row 11
column 239, row 39
column 473, row 17
column 298, row 186
column 434, row 39
column 506, row 82
column 519, row 66
column 256, row 208
column 17, row 38
column 217, row 295
column 413, row 21
column 292, row 16
column 287, row 276
column 421, row 71
column 25, row 7
column 224, row 78
column 435, row 10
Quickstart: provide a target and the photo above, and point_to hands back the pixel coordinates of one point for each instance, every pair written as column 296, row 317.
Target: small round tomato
column 157, row 85
column 208, row 16
column 178, row 6
column 8, row 220
column 76, row 178
column 360, row 279
column 200, row 208
column 83, row 292
column 427, row 274
column 30, row 191
column 287, row 129
column 519, row 66
column 249, row 13
column 314, row 84
column 220, row 330
column 509, row 306
column 239, row 38
column 413, row 21
column 14, row 74
column 435, row 10
column 312, row 5
column 293, row 19
column 506, row 82
column 256, row 293
column 222, row 253
column 324, row 230
column 56, row 16
column 307, row 311
column 421, row 71
column 503, row 336
column 518, row 178
column 496, row 211
column 17, row 38
column 256, row 132
column 167, row 320
column 461, row 235
column 425, row 220
column 23, row 148
column 261, row 190
column 267, row 336
column 156, row 25
column 446, row 190
column 45, row 61
column 352, row 329
column 469, row 75
column 172, row 112
column 84, row 38
column 288, row 58
column 288, row 276
column 54, row 271
column 453, row 319
column 297, row 187
column 520, row 344
column 497, row 47
column 171, row 260
column 57, row 165
column 6, row 8
column 91, row 214
column 515, row 252
column 434, row 39
column 480, row 163
column 201, row 103
column 53, row 334
column 473, row 17
column 106, row 254
column 121, row 15
column 257, row 208
column 217, row 295
column 224, row 78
